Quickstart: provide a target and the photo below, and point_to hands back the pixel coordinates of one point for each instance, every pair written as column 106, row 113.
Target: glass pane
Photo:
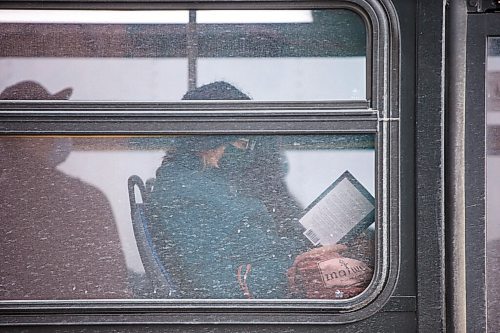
column 492, row 176
column 264, row 55
column 205, row 217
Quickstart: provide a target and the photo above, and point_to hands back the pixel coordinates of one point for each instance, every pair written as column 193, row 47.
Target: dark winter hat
column 218, row 90
column 31, row 90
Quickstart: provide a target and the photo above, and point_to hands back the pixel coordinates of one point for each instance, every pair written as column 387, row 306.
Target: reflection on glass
column 58, row 237
column 492, row 176
column 220, row 217
column 270, row 55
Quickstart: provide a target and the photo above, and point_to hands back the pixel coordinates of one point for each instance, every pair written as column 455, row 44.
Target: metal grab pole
column 192, row 50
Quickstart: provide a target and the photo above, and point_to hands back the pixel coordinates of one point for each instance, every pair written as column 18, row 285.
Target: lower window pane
column 191, row 217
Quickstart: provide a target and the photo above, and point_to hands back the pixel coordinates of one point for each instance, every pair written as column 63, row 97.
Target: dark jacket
column 207, row 224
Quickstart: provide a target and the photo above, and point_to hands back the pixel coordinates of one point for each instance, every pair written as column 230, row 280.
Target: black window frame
column 378, row 115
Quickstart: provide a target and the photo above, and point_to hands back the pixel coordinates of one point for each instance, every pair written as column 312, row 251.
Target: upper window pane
column 159, row 56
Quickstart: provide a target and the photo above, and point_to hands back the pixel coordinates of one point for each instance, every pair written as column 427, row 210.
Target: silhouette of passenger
column 31, row 90
column 58, row 238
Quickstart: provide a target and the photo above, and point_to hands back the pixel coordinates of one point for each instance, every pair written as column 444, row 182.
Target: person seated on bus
column 224, row 223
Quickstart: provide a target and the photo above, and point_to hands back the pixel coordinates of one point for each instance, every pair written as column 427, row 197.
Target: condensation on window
column 160, row 56
column 187, row 217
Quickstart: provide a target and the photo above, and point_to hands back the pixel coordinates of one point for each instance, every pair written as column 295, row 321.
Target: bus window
column 202, row 157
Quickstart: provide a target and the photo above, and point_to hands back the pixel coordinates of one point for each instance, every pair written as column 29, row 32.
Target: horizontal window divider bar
column 204, row 114
column 188, row 126
column 222, row 106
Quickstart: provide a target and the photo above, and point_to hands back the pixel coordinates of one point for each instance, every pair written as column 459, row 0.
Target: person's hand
column 324, row 273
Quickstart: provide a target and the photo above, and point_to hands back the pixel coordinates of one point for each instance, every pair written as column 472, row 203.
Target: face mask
column 259, row 172
column 237, row 162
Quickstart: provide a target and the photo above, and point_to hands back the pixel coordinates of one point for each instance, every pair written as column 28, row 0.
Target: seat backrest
column 156, row 272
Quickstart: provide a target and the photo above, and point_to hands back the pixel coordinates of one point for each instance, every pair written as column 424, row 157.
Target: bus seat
column 156, row 272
